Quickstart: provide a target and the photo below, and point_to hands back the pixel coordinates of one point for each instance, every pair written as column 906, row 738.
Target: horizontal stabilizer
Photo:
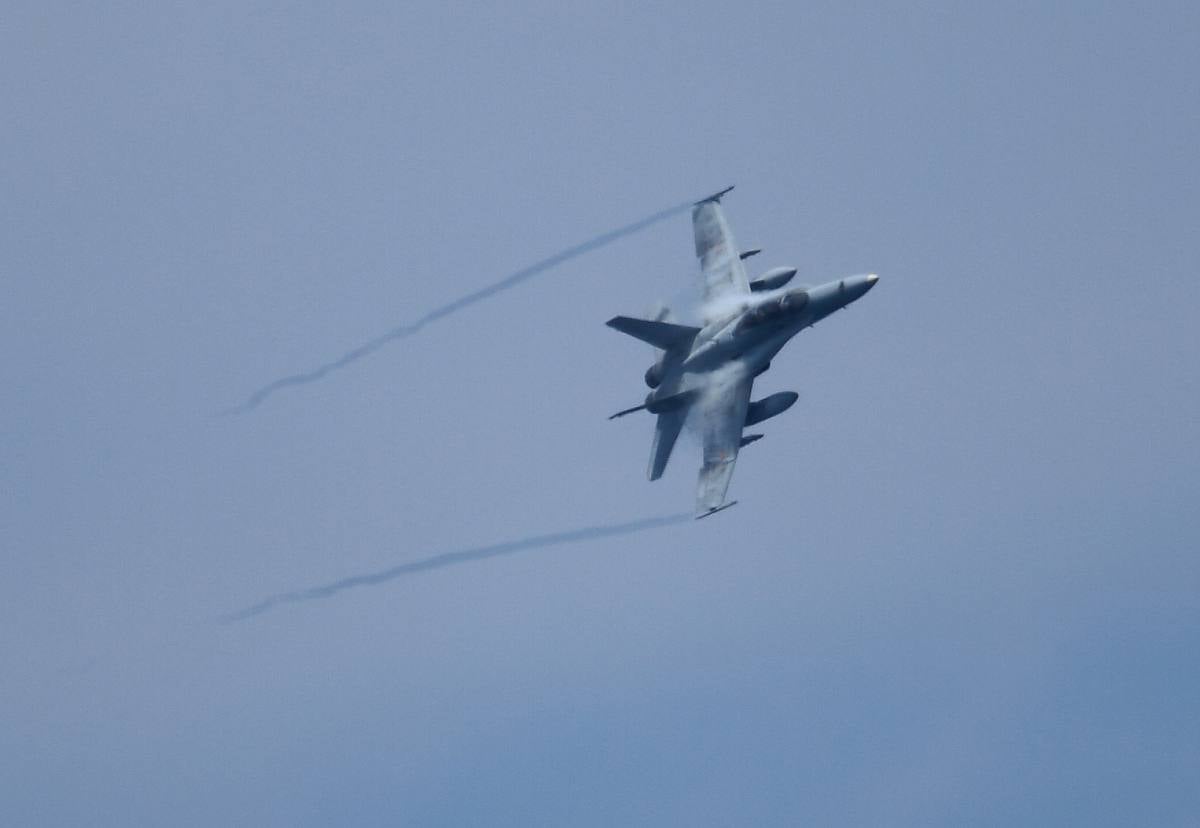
column 665, row 335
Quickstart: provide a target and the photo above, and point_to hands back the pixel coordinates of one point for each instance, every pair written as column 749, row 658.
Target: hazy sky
column 963, row 583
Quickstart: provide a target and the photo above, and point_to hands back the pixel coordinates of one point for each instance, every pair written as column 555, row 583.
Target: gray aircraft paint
column 707, row 376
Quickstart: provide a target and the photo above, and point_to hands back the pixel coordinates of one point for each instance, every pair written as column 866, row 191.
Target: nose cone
column 857, row 286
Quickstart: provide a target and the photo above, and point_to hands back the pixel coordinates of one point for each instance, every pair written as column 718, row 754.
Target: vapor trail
column 452, row 558
column 403, row 331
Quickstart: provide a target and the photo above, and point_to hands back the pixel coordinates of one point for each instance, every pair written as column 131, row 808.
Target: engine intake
column 654, row 375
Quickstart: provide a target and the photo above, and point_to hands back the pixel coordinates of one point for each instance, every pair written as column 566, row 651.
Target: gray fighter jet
column 707, row 372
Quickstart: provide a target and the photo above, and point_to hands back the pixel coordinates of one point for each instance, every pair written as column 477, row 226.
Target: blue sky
column 962, row 584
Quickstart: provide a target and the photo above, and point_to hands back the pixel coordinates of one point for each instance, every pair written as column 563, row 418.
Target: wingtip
column 715, row 197
column 716, row 509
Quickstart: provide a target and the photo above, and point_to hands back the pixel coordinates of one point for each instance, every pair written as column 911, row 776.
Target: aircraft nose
column 872, row 278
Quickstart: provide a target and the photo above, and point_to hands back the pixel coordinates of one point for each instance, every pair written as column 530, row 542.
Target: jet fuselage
column 705, row 375
column 741, row 342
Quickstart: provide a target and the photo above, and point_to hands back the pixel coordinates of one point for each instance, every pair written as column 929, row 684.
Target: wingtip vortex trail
column 453, row 558
column 259, row 396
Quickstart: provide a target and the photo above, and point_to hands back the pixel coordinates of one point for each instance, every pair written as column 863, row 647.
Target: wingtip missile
column 752, row 252
column 714, row 196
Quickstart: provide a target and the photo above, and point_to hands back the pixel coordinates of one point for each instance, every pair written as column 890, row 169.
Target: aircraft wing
column 721, row 268
column 722, row 434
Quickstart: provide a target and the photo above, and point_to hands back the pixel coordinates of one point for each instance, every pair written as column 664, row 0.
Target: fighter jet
column 706, row 373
